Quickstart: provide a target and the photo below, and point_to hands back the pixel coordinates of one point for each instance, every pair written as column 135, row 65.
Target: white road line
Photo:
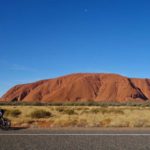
column 75, row 134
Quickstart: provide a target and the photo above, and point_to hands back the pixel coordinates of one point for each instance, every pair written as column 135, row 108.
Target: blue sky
column 48, row 38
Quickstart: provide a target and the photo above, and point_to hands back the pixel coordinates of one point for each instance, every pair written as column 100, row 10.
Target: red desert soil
column 82, row 87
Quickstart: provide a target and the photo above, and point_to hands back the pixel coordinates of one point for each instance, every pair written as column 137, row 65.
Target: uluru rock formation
column 82, row 87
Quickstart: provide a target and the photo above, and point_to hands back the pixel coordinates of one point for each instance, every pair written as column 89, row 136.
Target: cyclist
column 1, row 113
column 4, row 123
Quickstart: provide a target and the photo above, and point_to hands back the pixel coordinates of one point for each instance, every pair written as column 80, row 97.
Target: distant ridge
column 82, row 87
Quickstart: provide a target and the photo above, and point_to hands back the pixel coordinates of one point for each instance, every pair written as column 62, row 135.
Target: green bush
column 40, row 114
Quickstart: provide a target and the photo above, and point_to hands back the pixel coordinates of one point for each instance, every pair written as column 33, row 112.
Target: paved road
column 75, row 139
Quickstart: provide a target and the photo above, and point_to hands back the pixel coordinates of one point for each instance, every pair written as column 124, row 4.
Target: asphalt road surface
column 75, row 139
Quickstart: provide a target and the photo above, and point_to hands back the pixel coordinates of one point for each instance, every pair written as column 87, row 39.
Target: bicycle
column 5, row 124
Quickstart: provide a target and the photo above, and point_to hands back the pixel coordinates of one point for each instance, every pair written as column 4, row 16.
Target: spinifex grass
column 78, row 116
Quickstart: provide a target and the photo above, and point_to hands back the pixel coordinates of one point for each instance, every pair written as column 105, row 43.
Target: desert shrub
column 60, row 109
column 7, row 112
column 95, row 110
column 88, row 103
column 69, row 112
column 40, row 114
column 82, row 108
column 84, row 112
column 66, row 110
column 99, row 110
column 106, row 110
column 116, row 111
column 13, row 113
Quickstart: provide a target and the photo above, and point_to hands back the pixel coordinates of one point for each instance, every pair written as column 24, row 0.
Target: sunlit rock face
column 82, row 87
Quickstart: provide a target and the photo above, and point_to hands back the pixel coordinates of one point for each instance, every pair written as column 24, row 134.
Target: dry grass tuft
column 13, row 113
column 40, row 114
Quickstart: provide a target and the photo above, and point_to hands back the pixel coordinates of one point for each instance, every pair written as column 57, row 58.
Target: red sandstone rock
column 82, row 87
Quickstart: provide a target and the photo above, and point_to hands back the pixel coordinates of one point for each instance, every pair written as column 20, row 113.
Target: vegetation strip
column 89, row 103
column 77, row 116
